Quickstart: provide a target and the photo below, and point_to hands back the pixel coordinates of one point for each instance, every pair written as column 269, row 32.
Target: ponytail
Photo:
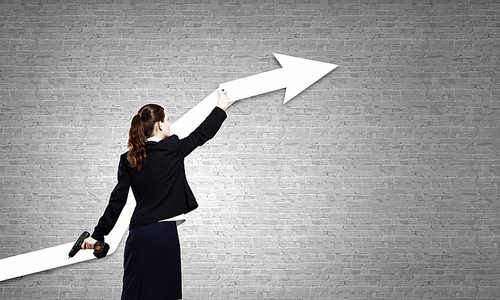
column 141, row 128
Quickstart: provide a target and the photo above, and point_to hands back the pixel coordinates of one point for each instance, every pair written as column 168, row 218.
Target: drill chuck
column 78, row 244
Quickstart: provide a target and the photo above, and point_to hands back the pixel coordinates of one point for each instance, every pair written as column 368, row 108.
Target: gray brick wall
column 380, row 181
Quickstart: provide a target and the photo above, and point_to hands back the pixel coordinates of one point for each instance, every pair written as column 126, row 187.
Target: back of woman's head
column 141, row 128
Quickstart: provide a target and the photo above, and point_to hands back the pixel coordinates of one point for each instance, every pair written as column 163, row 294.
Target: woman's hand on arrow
column 223, row 101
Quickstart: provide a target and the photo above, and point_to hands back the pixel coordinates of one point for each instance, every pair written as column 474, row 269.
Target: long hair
column 141, row 128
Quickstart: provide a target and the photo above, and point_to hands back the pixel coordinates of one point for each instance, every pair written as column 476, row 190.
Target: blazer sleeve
column 116, row 203
column 207, row 130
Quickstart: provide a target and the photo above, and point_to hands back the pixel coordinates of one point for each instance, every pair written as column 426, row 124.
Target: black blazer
column 160, row 188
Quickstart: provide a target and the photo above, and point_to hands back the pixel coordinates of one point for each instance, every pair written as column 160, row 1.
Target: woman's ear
column 156, row 128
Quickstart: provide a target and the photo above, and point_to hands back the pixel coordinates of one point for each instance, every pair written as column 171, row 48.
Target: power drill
column 100, row 248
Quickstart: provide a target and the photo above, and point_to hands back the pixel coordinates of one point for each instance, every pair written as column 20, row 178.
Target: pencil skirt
column 152, row 265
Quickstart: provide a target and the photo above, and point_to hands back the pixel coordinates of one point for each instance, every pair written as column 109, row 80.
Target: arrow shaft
column 255, row 85
column 40, row 260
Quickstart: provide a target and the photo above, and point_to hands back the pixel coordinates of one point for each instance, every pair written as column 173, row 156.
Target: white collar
column 154, row 139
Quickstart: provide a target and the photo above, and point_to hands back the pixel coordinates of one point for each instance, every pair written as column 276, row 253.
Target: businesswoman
column 154, row 169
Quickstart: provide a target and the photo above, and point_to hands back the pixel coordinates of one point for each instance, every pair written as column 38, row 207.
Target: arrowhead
column 301, row 73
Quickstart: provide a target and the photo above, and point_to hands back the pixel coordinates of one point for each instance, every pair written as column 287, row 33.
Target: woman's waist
column 179, row 219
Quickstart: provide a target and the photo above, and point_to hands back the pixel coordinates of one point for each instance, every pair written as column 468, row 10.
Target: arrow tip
column 301, row 73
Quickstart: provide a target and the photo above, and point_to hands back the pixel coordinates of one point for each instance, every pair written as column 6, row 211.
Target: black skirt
column 152, row 263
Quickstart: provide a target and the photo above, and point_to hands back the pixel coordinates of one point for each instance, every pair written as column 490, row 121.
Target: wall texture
column 380, row 181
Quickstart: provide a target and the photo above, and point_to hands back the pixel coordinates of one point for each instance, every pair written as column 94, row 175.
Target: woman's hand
column 89, row 243
column 223, row 101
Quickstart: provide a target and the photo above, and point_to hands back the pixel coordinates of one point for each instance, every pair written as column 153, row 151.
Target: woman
column 154, row 169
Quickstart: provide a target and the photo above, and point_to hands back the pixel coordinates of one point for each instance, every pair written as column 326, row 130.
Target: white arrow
column 296, row 75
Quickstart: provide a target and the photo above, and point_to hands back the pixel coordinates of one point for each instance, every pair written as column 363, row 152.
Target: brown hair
column 141, row 128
